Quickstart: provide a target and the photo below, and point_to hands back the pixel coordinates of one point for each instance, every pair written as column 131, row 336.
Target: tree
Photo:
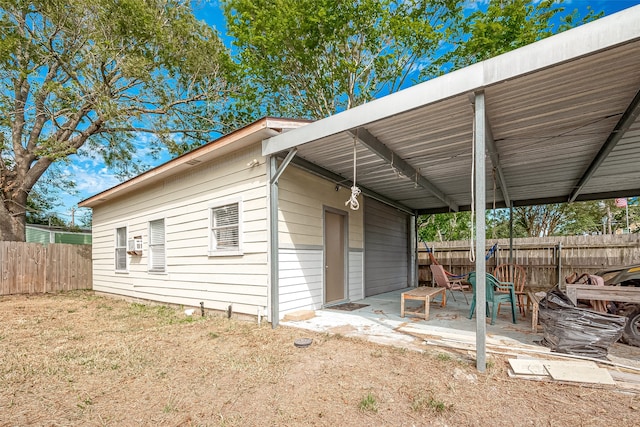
column 541, row 220
column 313, row 58
column 38, row 211
column 45, row 196
column 91, row 75
column 445, row 226
column 562, row 219
column 613, row 218
column 502, row 26
column 85, row 218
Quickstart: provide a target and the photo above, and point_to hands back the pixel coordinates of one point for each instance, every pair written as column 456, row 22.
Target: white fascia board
column 612, row 30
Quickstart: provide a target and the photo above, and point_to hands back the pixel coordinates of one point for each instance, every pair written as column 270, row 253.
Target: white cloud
column 474, row 5
column 90, row 178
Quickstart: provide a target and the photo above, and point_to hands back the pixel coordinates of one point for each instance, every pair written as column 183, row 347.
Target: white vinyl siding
column 302, row 198
column 300, row 279
column 225, row 235
column 121, row 249
column 157, row 253
column 356, row 274
column 184, row 201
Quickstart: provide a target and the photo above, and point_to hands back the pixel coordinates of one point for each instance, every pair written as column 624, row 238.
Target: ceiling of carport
column 550, row 107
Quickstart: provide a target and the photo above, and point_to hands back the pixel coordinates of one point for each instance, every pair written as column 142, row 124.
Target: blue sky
column 92, row 176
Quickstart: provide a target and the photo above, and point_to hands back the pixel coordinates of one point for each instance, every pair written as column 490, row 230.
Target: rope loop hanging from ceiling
column 493, row 210
column 355, row 191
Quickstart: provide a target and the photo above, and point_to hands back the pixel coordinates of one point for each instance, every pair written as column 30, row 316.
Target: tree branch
column 165, row 109
column 153, row 131
column 41, row 116
column 21, row 91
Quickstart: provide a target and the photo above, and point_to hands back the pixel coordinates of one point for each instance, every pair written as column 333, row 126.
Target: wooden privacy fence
column 546, row 260
column 29, row 268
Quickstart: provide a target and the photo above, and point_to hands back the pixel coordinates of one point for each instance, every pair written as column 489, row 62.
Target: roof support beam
column 283, row 166
column 401, row 165
column 545, row 201
column 340, row 180
column 630, row 115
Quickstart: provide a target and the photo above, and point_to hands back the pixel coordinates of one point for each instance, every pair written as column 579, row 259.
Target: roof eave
column 250, row 134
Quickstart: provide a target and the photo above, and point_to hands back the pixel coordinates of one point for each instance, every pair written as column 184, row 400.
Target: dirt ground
column 80, row 359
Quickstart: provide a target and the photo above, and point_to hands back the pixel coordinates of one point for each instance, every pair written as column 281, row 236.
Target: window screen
column 121, row 249
column 225, row 228
column 156, row 246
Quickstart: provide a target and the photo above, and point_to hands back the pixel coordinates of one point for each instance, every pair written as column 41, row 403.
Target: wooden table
column 603, row 293
column 425, row 294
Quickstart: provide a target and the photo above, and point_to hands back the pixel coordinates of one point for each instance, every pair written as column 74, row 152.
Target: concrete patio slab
column 380, row 322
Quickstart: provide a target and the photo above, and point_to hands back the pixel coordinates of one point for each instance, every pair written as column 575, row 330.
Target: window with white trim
column 121, row 249
column 157, row 254
column 225, row 231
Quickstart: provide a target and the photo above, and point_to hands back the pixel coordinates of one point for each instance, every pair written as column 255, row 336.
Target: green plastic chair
column 497, row 292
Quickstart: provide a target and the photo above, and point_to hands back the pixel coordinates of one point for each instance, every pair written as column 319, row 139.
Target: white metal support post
column 273, row 240
column 480, row 207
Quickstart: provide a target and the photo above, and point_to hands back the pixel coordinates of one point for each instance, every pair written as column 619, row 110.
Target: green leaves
column 444, row 227
column 102, row 73
column 502, row 27
column 558, row 219
column 307, row 58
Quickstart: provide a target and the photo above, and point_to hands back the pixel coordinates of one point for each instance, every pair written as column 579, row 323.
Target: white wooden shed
column 196, row 231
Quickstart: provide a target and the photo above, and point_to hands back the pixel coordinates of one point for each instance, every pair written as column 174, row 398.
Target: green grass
column 85, row 403
column 164, row 314
column 368, row 403
column 400, row 350
column 422, row 402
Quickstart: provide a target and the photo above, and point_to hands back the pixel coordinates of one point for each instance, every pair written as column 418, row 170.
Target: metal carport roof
column 551, row 107
column 556, row 120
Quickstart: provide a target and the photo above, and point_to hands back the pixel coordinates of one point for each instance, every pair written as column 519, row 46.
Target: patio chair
column 515, row 274
column 497, row 292
column 442, row 280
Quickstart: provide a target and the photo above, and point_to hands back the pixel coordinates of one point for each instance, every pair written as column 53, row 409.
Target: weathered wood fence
column 29, row 268
column 546, row 260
